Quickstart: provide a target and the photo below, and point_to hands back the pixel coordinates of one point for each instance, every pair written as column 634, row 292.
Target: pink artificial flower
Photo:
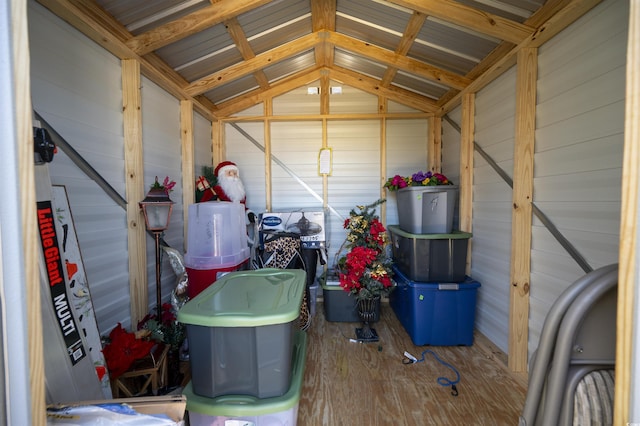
column 168, row 185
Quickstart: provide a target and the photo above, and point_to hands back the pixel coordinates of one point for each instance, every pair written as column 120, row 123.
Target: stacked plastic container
column 434, row 300
column 216, row 242
column 246, row 352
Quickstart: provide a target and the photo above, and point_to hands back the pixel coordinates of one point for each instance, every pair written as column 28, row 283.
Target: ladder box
column 241, row 333
column 436, row 314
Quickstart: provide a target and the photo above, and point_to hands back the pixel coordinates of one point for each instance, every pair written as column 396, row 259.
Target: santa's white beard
column 233, row 187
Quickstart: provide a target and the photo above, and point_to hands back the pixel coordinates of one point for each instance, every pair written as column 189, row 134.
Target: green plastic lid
column 248, row 299
column 247, row 405
column 455, row 235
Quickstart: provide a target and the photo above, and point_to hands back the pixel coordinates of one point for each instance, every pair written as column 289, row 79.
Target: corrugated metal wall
column 578, row 159
column 356, row 172
column 355, row 178
column 248, row 154
column 407, row 144
column 203, row 146
column 577, row 173
column 72, row 83
column 161, row 153
column 491, row 248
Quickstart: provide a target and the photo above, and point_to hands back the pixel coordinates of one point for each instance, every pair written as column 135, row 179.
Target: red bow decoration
column 124, row 350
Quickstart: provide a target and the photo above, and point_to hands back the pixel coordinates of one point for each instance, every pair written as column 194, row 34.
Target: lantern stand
column 157, row 207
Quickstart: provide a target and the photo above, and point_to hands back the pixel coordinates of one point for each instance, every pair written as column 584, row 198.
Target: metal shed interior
column 226, row 57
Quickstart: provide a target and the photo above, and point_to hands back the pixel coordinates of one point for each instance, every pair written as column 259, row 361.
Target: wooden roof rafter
column 247, row 100
column 389, row 58
column 408, row 37
column 565, row 13
column 92, row 21
column 242, row 44
column 375, row 87
column 468, row 17
column 218, row 12
column 324, row 40
column 252, row 65
column 323, row 14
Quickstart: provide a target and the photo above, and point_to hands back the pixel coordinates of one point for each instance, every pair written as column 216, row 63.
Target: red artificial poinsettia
column 377, row 233
column 167, row 330
column 366, row 269
column 123, row 350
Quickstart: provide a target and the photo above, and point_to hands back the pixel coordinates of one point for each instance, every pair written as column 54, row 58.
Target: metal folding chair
column 578, row 338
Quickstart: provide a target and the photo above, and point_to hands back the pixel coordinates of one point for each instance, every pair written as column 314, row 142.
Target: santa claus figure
column 229, row 187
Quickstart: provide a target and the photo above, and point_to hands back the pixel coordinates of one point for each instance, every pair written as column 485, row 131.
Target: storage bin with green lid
column 243, row 409
column 341, row 306
column 241, row 332
column 430, row 257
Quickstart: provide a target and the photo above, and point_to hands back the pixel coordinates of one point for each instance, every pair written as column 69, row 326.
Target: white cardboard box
column 171, row 408
column 308, row 224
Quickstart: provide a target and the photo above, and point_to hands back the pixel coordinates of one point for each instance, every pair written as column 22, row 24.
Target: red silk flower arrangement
column 365, row 271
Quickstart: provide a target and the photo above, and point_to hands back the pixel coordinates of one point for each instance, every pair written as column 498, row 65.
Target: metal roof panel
column 281, row 34
column 364, row 31
column 191, row 52
column 290, row 66
column 265, row 19
column 235, row 88
column 359, row 64
column 419, row 86
column 139, row 16
column 375, row 14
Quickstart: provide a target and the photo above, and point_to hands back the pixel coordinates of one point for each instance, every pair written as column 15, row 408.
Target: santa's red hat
column 223, row 165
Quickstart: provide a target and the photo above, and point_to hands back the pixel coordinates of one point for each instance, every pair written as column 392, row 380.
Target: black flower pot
column 367, row 309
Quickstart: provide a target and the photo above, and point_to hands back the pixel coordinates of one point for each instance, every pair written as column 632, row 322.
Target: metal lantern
column 157, row 207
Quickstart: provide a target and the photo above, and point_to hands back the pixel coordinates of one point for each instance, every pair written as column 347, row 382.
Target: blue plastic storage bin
column 436, row 314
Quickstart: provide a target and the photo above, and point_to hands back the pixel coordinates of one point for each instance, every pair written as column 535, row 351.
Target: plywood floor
column 367, row 384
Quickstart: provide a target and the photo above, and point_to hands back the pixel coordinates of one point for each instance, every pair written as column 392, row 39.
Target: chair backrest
column 573, row 333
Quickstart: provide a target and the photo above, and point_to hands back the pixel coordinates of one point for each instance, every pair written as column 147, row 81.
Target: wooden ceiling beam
column 88, row 18
column 408, row 37
column 323, row 15
column 235, row 105
column 242, row 44
column 572, row 10
column 469, row 17
column 323, row 18
column 373, row 86
column 193, row 23
column 550, row 8
column 255, row 64
column 402, row 62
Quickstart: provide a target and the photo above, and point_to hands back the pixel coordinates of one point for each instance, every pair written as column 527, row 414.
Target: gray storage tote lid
column 455, row 235
column 248, row 299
